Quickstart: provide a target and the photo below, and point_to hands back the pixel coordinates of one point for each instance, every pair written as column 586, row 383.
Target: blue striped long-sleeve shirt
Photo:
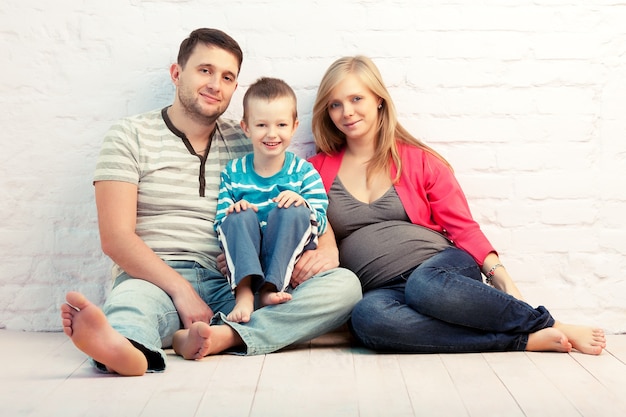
column 239, row 181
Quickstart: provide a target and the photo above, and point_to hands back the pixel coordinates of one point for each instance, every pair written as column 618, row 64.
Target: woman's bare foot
column 193, row 343
column 90, row 331
column 548, row 340
column 589, row 340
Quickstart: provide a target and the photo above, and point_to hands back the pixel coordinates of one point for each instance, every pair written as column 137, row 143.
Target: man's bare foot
column 202, row 340
column 193, row 343
column 274, row 297
column 585, row 339
column 90, row 331
column 548, row 340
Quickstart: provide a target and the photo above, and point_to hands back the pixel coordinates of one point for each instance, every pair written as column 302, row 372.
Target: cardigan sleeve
column 434, row 199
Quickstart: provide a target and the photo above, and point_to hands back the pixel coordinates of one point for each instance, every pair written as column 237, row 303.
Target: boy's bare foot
column 548, row 340
column 274, row 297
column 589, row 340
column 90, row 331
column 193, row 343
column 242, row 311
column 244, row 303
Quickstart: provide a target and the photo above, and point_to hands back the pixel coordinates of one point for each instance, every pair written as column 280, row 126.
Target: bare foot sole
column 90, row 332
column 548, row 340
column 589, row 340
column 194, row 343
column 274, row 297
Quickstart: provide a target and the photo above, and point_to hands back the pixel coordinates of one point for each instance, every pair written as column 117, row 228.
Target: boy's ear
column 296, row 123
column 244, row 127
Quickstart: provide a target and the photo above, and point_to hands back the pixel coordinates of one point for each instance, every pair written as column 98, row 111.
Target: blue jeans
column 146, row 315
column 442, row 306
column 277, row 247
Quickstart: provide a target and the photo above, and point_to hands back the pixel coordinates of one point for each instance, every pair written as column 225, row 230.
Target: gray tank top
column 377, row 241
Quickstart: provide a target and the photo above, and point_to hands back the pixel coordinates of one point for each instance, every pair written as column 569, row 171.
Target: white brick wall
column 526, row 100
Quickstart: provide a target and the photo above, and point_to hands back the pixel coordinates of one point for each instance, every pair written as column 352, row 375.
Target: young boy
column 271, row 202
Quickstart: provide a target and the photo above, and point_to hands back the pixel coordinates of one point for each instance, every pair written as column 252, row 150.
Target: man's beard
column 194, row 110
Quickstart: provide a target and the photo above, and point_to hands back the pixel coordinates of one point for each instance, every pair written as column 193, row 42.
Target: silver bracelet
column 491, row 273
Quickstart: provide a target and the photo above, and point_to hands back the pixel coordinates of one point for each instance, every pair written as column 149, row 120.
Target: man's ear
column 175, row 71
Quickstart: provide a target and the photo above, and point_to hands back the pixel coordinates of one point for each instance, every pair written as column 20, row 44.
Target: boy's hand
column 241, row 205
column 287, row 198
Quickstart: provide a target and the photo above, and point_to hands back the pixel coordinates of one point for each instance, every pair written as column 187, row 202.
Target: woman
column 404, row 227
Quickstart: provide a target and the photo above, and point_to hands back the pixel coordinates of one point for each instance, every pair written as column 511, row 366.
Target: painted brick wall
column 525, row 99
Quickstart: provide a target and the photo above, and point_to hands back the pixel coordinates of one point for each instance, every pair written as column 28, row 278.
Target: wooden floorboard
column 534, row 393
column 44, row 375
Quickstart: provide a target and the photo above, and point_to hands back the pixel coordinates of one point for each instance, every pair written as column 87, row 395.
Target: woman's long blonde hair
column 330, row 140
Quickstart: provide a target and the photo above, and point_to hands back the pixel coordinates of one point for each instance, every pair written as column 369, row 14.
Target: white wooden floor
column 43, row 374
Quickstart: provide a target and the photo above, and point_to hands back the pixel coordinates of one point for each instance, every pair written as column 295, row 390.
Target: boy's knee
column 245, row 219
column 243, row 215
column 291, row 213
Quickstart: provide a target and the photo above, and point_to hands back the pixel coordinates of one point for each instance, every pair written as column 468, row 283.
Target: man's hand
column 313, row 262
column 191, row 308
column 220, row 263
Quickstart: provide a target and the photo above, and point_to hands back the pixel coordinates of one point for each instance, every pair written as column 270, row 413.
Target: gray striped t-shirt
column 177, row 189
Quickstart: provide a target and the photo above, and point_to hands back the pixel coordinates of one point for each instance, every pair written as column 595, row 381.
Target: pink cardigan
column 431, row 196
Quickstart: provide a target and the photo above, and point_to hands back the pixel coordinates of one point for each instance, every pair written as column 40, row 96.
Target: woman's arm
column 498, row 276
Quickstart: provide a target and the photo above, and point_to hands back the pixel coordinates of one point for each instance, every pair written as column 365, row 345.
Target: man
column 156, row 186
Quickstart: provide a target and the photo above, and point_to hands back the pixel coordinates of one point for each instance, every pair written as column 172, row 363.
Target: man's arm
column 116, row 202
